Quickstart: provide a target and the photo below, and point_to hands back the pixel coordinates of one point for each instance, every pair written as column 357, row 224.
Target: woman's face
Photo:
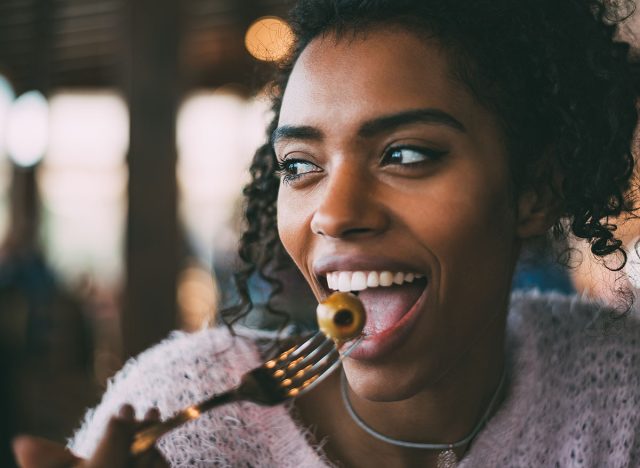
column 390, row 165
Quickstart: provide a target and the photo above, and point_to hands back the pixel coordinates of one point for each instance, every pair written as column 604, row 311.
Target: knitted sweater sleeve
column 180, row 370
column 187, row 368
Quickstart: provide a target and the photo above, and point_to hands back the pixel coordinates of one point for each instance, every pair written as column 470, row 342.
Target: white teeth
column 330, row 281
column 359, row 280
column 344, row 281
column 373, row 279
column 398, row 278
column 386, row 278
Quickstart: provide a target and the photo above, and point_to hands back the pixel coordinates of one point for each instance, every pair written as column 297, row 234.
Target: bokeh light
column 89, row 129
column 197, row 298
column 28, row 129
column 83, row 183
column 269, row 38
column 7, row 96
column 217, row 134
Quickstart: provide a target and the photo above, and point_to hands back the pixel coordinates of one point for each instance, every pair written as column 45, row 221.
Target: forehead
column 341, row 81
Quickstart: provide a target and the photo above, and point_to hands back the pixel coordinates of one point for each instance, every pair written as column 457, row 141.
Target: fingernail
column 152, row 414
column 126, row 413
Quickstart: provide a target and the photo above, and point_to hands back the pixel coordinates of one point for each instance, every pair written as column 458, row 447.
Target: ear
column 538, row 210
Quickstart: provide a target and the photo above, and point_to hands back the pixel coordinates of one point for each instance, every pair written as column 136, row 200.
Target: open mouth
column 387, row 296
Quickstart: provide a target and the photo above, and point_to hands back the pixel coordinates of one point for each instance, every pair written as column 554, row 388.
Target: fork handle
column 145, row 438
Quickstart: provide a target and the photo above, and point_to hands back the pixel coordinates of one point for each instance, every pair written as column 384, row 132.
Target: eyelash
column 284, row 169
column 430, row 154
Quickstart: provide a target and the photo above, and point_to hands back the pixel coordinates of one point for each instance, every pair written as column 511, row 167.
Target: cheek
column 467, row 223
column 475, row 218
column 292, row 228
column 295, row 234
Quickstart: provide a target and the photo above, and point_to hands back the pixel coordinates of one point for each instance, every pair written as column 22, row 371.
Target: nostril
column 355, row 231
column 344, row 233
column 348, row 232
column 348, row 219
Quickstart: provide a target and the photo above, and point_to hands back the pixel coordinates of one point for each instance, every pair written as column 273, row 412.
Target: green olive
column 341, row 316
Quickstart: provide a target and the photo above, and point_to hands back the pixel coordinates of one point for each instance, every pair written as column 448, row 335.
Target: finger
column 113, row 450
column 127, row 412
column 152, row 415
column 36, row 452
column 152, row 458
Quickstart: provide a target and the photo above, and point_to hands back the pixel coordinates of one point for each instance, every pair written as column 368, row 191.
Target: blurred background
column 126, row 131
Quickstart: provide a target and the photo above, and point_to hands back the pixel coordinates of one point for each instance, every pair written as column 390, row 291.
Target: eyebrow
column 390, row 122
column 293, row 132
column 372, row 127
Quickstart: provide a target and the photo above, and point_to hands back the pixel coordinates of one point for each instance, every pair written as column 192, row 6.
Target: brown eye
column 341, row 316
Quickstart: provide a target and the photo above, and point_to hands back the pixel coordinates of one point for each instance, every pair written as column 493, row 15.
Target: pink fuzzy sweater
column 573, row 398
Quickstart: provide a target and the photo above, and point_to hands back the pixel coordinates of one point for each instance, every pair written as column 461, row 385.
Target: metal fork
column 292, row 373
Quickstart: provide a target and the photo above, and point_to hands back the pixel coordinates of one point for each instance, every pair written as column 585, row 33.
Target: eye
column 407, row 155
column 292, row 169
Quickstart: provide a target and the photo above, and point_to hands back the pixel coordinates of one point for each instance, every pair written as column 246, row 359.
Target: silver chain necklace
column 447, row 457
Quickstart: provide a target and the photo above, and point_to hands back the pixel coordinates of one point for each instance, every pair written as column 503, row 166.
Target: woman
column 426, row 141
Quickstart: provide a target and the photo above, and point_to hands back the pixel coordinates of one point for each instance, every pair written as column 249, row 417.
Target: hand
column 112, row 452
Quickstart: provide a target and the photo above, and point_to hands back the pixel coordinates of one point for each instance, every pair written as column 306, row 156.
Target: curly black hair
column 554, row 72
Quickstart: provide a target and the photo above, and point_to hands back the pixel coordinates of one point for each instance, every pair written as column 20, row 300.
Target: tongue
column 385, row 306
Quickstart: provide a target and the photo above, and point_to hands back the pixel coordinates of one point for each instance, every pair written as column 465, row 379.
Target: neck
column 444, row 412
column 448, row 446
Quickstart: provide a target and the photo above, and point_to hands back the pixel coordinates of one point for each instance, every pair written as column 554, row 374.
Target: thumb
column 113, row 450
column 36, row 452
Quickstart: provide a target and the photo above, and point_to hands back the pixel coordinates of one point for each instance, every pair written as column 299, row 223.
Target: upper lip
column 327, row 264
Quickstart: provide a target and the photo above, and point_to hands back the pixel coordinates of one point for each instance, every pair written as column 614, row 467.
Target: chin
column 384, row 385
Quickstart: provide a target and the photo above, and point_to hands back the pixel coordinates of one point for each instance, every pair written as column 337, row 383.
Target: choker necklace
column 447, row 457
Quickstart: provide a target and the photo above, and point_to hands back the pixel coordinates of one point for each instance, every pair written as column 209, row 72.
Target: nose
column 349, row 207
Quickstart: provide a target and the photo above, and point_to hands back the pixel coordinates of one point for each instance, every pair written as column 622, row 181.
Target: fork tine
column 306, row 378
column 313, row 357
column 318, row 368
column 269, row 384
column 316, row 340
column 287, row 356
column 316, row 373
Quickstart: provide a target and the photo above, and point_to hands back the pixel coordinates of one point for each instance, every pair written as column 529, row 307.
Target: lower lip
column 373, row 347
